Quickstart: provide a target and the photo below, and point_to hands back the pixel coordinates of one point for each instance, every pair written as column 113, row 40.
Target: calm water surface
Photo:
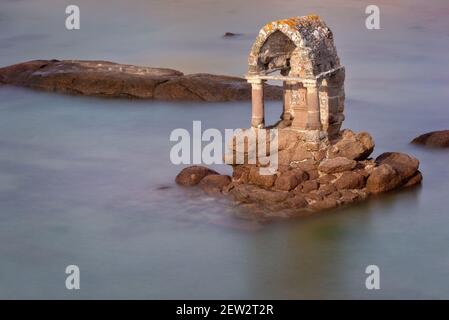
column 88, row 181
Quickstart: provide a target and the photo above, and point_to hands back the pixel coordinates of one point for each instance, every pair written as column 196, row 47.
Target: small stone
column 309, row 185
column 286, row 181
column 305, row 165
column 290, row 179
column 297, row 201
column 414, row 180
column 404, row 164
column 300, row 153
column 227, row 189
column 325, row 204
column 350, row 180
column 300, row 174
column 283, row 168
column 241, row 173
column 363, row 172
column 231, row 34
column 326, row 189
column 353, row 146
column 327, row 178
column 285, row 157
column 313, row 174
column 320, row 155
column 348, row 196
column 336, row 195
column 251, row 193
column 335, row 165
column 256, row 178
column 313, row 196
column 192, row 175
column 287, row 139
column 215, row 183
column 383, row 178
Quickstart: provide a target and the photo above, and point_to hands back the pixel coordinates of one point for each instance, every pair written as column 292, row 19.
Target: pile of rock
column 309, row 178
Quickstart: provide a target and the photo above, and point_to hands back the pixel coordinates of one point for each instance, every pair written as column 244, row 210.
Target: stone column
column 299, row 106
column 286, row 112
column 313, row 113
column 257, row 100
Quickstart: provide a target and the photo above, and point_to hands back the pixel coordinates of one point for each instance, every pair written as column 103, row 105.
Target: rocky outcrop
column 316, row 177
column 436, row 139
column 108, row 79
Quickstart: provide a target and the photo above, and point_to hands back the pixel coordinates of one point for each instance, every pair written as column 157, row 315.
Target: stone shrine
column 301, row 53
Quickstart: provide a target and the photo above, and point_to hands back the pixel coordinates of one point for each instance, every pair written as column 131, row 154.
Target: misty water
column 88, row 181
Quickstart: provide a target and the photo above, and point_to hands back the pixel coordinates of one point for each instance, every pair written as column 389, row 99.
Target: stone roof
column 309, row 34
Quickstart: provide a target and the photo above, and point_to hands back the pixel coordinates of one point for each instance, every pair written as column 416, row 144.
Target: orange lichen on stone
column 268, row 27
column 292, row 23
column 313, row 17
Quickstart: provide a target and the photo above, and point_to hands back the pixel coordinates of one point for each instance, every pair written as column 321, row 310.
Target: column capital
column 254, row 80
column 257, row 86
column 310, row 84
column 290, row 82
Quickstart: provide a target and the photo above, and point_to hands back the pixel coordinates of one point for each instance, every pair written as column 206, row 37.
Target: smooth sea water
column 88, row 181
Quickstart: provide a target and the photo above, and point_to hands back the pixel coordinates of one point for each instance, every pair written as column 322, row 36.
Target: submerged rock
column 231, row 34
column 191, row 176
column 109, row 79
column 437, row 139
column 214, row 183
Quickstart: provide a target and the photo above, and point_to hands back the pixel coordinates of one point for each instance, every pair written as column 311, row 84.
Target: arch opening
column 275, row 54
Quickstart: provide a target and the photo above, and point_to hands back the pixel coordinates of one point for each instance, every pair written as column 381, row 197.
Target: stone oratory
column 317, row 166
column 302, row 50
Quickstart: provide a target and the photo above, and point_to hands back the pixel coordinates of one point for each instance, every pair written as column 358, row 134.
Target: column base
column 286, row 116
column 314, row 127
column 258, row 123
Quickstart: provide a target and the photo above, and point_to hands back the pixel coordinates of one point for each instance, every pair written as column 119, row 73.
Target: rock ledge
column 109, row 79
